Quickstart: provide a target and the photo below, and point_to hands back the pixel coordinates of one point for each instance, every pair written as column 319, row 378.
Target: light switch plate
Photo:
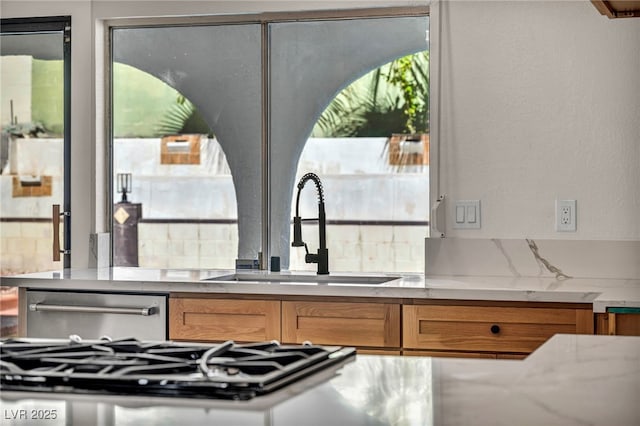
column 466, row 214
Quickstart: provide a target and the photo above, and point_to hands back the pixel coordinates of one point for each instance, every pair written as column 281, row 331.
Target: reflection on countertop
column 570, row 380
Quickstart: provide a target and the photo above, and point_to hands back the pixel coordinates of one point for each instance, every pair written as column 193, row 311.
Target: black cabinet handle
column 495, row 329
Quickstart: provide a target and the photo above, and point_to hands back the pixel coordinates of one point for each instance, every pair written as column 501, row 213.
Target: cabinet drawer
column 224, row 319
column 484, row 328
column 336, row 323
column 91, row 315
column 450, row 354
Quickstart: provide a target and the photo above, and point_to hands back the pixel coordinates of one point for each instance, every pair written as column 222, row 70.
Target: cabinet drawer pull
column 495, row 329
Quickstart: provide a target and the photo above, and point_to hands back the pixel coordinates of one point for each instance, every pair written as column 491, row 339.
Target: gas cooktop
column 129, row 366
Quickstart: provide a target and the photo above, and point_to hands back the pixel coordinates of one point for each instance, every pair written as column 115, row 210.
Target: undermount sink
column 301, row 278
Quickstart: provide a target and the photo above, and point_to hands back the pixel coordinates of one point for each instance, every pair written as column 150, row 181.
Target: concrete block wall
column 26, row 247
column 366, row 248
column 359, row 186
column 35, row 156
column 359, row 183
column 352, row 248
column 187, row 245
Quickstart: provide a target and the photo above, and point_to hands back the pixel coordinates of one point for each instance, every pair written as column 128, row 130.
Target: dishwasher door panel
column 93, row 315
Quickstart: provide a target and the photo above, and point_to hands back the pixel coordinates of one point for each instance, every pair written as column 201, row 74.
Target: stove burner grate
column 128, row 366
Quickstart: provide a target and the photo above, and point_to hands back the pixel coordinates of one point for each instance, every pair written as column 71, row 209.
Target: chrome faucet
column 322, row 258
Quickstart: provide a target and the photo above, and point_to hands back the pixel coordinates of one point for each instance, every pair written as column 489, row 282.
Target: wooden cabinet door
column 621, row 324
column 338, row 323
column 488, row 328
column 224, row 319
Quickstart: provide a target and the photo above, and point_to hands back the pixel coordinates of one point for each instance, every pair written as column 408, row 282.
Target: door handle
column 435, row 221
column 93, row 309
column 55, row 217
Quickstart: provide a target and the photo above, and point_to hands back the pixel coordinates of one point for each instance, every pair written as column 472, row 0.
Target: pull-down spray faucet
column 322, row 258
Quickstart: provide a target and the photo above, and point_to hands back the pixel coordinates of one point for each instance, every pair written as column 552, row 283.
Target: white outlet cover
column 566, row 215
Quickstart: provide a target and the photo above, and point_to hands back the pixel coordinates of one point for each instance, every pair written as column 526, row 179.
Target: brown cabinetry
column 489, row 329
column 224, row 319
column 621, row 324
column 342, row 323
column 451, row 328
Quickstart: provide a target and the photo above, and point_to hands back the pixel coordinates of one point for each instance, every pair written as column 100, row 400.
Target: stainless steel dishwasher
column 92, row 315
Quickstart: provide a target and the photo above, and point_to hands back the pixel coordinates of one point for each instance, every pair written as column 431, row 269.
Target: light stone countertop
column 603, row 293
column 570, row 380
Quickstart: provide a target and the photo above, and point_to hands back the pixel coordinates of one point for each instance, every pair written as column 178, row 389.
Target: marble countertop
column 602, row 293
column 570, row 380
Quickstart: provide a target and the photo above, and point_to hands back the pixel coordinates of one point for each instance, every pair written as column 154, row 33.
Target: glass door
column 34, row 166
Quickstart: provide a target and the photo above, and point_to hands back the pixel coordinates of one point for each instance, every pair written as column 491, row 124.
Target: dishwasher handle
column 93, row 309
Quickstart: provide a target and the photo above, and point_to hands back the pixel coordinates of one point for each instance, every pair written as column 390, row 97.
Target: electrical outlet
column 566, row 215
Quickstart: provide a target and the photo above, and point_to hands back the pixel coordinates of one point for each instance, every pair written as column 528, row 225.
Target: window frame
column 105, row 139
column 43, row 25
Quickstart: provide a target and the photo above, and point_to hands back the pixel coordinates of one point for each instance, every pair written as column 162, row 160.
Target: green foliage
column 22, row 130
column 143, row 105
column 139, row 100
column 346, row 115
column 408, row 73
column 391, row 99
column 47, row 95
column 174, row 118
column 182, row 117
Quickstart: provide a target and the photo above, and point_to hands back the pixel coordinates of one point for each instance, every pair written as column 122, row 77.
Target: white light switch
column 467, row 214
column 471, row 214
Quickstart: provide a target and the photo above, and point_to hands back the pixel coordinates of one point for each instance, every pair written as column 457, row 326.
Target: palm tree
column 391, row 99
column 182, row 118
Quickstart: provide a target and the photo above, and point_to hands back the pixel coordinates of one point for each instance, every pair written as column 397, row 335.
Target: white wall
column 540, row 100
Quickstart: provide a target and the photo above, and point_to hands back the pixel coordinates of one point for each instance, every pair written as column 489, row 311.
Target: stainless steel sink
column 302, row 278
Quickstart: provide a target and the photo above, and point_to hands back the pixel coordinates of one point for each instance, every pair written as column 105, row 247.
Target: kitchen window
column 260, row 83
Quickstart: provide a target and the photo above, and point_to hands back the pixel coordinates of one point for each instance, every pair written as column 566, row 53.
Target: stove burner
column 128, row 366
